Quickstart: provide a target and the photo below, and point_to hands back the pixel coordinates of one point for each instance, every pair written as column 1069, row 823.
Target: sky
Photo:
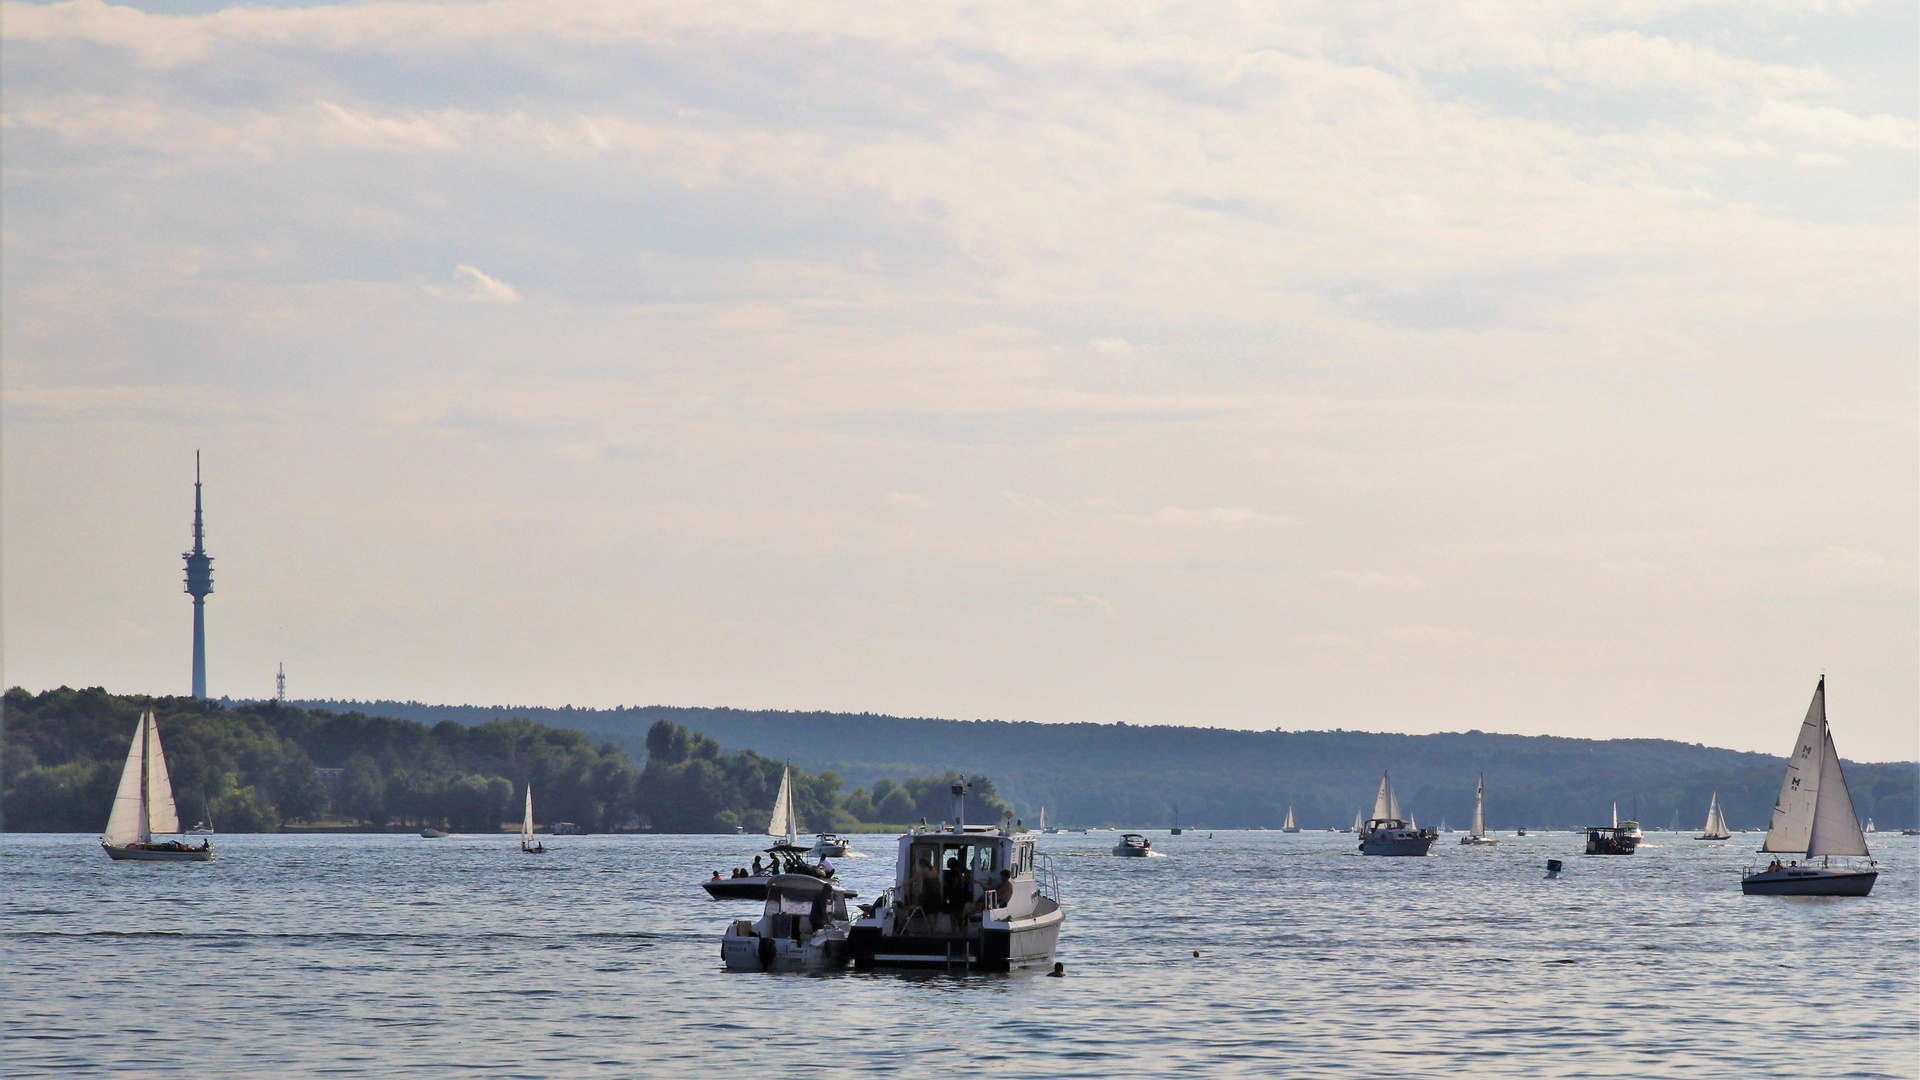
column 1528, row 367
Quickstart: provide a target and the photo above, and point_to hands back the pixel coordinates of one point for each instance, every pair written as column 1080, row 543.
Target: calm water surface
column 396, row 956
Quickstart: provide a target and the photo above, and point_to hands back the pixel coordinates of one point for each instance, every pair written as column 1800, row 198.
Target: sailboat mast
column 146, row 794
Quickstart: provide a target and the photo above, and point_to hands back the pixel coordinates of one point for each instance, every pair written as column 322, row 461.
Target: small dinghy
column 803, row 927
column 1133, row 845
column 1478, row 837
column 1813, row 815
column 143, row 807
column 528, row 845
column 1716, row 826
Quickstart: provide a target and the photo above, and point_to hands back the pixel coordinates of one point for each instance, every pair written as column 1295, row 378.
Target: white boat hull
column 1478, row 841
column 1016, row 945
column 1809, row 881
column 825, row 951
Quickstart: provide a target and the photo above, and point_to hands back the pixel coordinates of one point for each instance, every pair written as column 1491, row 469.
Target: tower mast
column 199, row 584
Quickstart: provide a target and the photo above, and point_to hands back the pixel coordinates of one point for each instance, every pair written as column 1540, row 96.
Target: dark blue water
column 396, row 956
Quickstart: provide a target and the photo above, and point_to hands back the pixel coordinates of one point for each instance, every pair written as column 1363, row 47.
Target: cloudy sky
column 1532, row 367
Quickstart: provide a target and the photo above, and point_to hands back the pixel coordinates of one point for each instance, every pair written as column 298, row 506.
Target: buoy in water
column 1554, row 867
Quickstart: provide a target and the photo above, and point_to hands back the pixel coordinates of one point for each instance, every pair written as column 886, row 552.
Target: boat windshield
column 942, row 873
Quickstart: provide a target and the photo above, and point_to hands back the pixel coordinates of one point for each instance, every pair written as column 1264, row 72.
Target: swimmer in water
column 1059, row 971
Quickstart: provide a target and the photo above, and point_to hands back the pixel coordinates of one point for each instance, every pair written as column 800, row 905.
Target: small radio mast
column 280, row 684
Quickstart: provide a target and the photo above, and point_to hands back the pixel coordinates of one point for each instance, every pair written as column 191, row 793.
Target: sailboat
column 784, row 854
column 1043, row 823
column 143, row 806
column 1814, row 814
column 1289, row 826
column 1478, row 837
column 1716, row 826
column 1359, row 820
column 1386, row 833
column 528, row 845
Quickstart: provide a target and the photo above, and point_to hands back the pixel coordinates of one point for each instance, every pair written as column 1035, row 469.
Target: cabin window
column 985, row 860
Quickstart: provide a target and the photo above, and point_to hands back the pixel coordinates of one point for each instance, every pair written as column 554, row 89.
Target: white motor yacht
column 973, row 897
column 1387, row 833
column 828, row 845
column 1133, row 845
column 803, row 927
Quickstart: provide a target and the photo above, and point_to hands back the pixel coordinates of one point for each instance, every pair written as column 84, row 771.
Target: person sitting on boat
column 1003, row 892
column 826, row 867
column 1773, row 866
column 756, row 866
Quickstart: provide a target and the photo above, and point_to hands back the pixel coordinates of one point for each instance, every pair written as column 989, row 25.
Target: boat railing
column 1046, row 877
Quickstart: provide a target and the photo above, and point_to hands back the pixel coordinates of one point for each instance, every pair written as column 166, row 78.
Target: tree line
column 256, row 767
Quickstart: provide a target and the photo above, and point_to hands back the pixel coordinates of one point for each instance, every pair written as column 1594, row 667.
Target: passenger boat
column 1288, row 825
column 972, row 897
column 1813, row 815
column 1386, row 833
column 143, row 806
column 803, row 927
column 1716, row 826
column 1610, row 840
column 1478, row 837
column 1133, row 845
column 528, row 845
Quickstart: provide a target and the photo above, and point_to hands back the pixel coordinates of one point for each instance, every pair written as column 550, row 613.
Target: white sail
column 1383, row 801
column 161, row 815
column 1359, row 819
column 126, row 824
column 1412, row 824
column 1836, row 830
column 1043, row 819
column 1616, row 815
column 1289, row 822
column 526, row 822
column 1792, row 823
column 785, row 821
column 1480, row 807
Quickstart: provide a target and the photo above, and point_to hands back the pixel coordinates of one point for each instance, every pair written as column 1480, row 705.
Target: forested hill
column 1118, row 774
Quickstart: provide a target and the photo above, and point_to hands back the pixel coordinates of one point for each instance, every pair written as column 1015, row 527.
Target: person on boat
column 1773, row 866
column 826, row 867
column 1003, row 892
column 955, row 886
column 715, row 877
column 756, row 866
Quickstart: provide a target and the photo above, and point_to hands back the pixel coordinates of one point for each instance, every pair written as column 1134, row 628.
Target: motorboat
column 1522, row 831
column 1479, row 837
column 1387, row 833
column 143, row 807
column 428, row 832
column 1611, row 840
column 968, row 897
column 785, row 856
column 830, row 846
column 1629, row 828
column 528, row 845
column 803, row 927
column 1814, row 815
column 1133, row 845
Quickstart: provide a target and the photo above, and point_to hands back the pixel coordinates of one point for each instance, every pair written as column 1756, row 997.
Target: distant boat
column 1289, row 826
column 1133, row 845
column 828, row 845
column 428, row 832
column 1359, row 820
column 1869, row 825
column 1478, row 837
column 1716, row 826
column 1043, row 823
column 143, row 806
column 528, row 845
column 1176, row 820
column 1814, row 814
column 1629, row 828
column 1385, row 833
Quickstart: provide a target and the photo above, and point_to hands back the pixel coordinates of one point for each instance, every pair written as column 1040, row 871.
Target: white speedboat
column 143, row 807
column 972, row 897
column 1386, row 833
column 803, row 927
column 430, row 833
column 1478, row 837
column 829, row 846
column 1133, row 845
column 1814, row 814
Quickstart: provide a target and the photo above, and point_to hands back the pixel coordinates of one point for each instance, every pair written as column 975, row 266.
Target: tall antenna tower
column 199, row 584
column 280, row 685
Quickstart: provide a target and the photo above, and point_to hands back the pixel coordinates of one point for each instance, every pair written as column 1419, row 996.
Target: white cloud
column 908, row 498
column 1837, row 126
column 1074, row 605
column 1428, row 635
column 1374, row 579
column 486, row 290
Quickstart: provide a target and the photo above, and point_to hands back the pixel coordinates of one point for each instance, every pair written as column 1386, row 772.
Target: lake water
column 397, row 956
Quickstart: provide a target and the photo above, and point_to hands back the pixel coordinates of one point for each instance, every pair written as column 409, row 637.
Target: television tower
column 280, row 685
column 199, row 584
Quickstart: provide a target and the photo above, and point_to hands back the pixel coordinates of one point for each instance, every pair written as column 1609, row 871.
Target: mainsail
column 161, row 815
column 785, row 822
column 1289, row 822
column 1385, row 807
column 1359, row 819
column 1716, row 827
column 526, row 823
column 1479, row 807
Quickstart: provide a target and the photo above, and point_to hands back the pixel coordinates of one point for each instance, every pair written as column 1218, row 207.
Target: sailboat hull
column 1809, row 881
column 147, row 854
